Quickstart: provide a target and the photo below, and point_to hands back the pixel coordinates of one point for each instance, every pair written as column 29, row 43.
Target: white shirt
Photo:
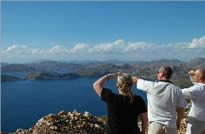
column 197, row 95
column 163, row 98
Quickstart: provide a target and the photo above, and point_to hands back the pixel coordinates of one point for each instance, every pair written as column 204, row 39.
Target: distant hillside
column 197, row 62
column 56, row 66
column 53, row 66
column 50, row 76
column 17, row 68
column 96, row 71
column 140, row 69
column 9, row 78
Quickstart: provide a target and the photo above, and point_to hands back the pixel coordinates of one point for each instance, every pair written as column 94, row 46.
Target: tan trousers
column 158, row 128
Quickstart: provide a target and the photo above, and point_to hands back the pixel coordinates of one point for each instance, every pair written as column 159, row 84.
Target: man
column 196, row 93
column 164, row 101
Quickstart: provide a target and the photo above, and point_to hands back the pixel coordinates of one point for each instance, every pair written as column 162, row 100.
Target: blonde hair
column 124, row 82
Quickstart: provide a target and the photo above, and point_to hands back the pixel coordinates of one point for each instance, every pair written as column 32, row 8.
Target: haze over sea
column 25, row 102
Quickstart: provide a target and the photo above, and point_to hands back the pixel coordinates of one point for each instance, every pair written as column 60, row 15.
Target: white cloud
column 198, row 43
column 118, row 49
column 17, row 49
column 81, row 47
column 115, row 46
column 136, row 46
column 58, row 50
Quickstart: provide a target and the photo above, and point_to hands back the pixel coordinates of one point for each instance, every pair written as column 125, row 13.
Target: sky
column 118, row 30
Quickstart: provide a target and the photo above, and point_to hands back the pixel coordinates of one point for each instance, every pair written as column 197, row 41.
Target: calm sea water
column 25, row 102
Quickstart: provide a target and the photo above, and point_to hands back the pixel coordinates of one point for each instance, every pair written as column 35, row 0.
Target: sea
column 23, row 103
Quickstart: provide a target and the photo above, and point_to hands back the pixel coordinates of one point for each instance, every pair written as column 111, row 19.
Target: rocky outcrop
column 67, row 123
column 74, row 123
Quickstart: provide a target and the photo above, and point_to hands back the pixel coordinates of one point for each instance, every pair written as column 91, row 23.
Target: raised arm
column 99, row 84
column 180, row 115
column 144, row 119
column 191, row 75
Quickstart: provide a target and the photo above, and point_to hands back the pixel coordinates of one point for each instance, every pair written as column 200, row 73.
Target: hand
column 191, row 72
column 134, row 79
column 111, row 75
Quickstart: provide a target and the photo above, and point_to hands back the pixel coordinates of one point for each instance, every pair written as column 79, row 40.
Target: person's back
column 124, row 108
column 122, row 115
column 165, row 102
column 196, row 93
column 163, row 98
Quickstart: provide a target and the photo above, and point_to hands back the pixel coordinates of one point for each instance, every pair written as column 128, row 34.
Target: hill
column 9, row 78
column 50, row 76
column 141, row 69
column 56, row 66
column 197, row 62
column 16, row 68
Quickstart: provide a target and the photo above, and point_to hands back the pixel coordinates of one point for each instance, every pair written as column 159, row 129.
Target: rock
column 67, row 123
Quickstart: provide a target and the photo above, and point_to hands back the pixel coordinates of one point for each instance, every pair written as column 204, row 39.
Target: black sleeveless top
column 122, row 115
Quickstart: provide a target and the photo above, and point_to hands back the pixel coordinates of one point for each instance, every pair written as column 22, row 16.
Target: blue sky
column 102, row 30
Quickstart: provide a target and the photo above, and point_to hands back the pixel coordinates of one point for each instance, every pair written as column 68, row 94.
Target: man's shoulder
column 170, row 85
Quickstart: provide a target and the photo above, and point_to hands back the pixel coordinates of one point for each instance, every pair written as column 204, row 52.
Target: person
column 165, row 102
column 123, row 108
column 196, row 93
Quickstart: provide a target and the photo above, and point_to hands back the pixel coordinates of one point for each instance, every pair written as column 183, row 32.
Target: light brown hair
column 124, row 82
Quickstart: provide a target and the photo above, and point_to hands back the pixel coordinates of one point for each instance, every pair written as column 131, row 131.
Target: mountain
column 197, row 62
column 96, row 71
column 142, row 69
column 17, row 68
column 50, row 76
column 9, row 78
column 56, row 66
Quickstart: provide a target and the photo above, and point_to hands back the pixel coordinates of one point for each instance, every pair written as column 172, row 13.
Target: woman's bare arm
column 99, row 84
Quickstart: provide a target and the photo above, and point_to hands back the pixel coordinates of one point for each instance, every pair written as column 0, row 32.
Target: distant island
column 49, row 70
column 50, row 76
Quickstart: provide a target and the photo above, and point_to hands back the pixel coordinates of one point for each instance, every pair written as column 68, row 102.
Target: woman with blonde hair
column 123, row 108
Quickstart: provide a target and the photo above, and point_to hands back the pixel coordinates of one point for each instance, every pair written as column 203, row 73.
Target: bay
column 23, row 103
